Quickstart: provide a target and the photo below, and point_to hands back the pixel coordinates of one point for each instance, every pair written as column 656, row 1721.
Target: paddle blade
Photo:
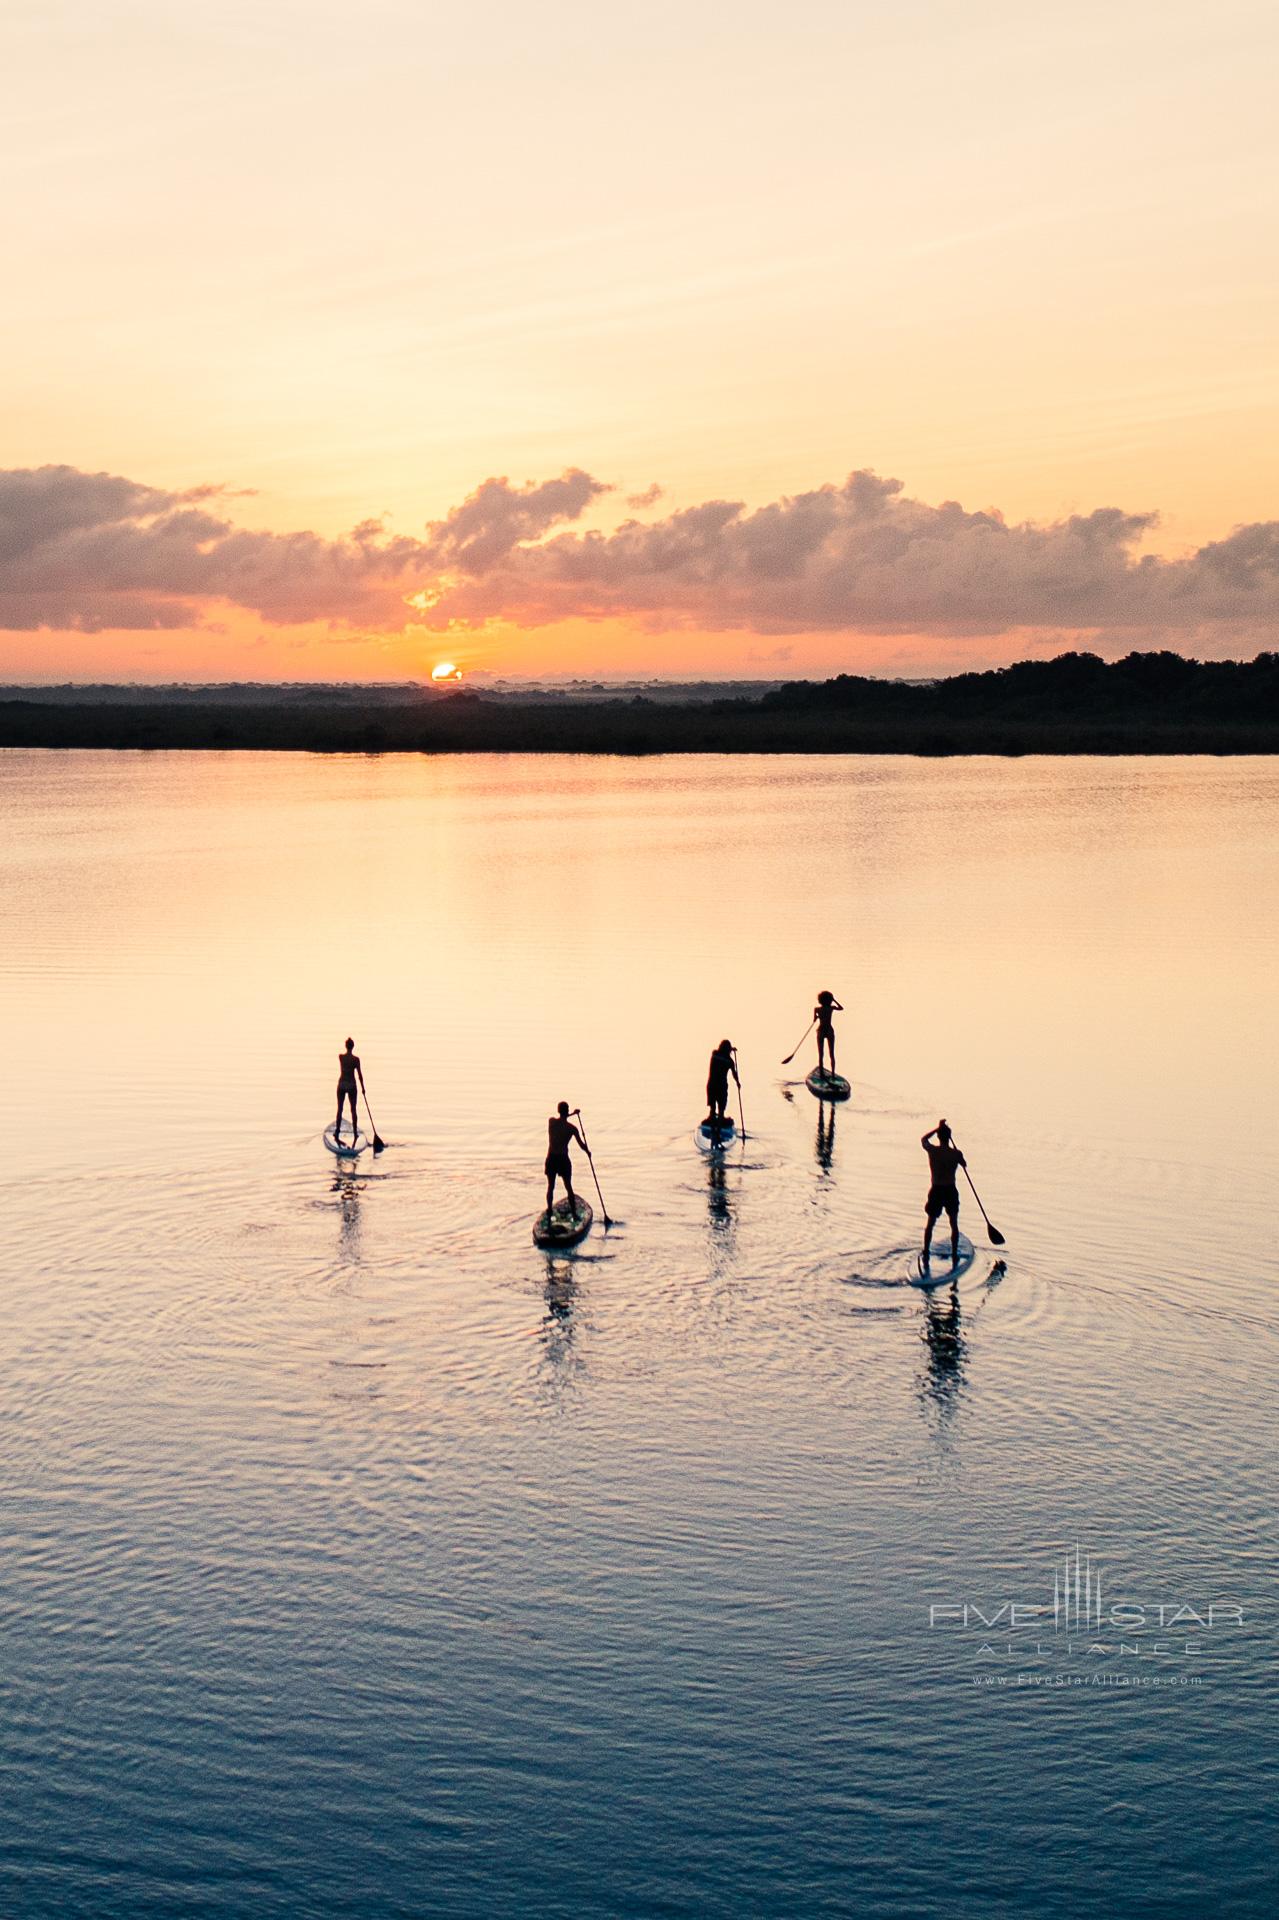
column 996, row 1237
column 378, row 1143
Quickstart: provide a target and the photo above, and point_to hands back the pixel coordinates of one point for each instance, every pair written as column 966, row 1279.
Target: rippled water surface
column 361, row 1560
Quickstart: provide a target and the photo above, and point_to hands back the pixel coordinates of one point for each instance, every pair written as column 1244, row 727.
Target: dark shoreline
column 602, row 731
column 1147, row 704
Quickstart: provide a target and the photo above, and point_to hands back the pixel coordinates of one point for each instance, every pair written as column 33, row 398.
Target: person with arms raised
column 944, row 1162
column 823, row 1015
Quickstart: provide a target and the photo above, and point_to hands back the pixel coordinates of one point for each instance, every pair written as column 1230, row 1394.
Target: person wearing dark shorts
column 722, row 1064
column 944, row 1161
column 349, row 1078
column 560, row 1132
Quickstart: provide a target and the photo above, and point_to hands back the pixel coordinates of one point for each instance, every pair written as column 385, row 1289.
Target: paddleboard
column 941, row 1270
column 715, row 1139
column 345, row 1148
column 828, row 1086
column 562, row 1228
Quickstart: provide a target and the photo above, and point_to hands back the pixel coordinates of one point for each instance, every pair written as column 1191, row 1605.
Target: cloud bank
column 90, row 552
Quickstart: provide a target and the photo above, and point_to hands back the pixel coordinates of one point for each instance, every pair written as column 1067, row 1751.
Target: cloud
column 863, row 557
column 95, row 551
column 89, row 551
column 649, row 497
column 497, row 518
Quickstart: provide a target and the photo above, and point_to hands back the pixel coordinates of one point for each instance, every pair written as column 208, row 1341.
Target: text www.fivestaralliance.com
column 1050, row 1680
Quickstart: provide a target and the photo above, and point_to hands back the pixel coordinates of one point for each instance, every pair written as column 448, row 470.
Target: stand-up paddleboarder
column 823, row 1013
column 560, row 1131
column 350, row 1084
column 944, row 1161
column 722, row 1064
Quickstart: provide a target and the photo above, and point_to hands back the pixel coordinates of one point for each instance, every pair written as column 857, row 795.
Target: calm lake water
column 361, row 1560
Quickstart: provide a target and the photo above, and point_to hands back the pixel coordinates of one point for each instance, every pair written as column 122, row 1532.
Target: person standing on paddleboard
column 944, row 1162
column 722, row 1064
column 349, row 1076
column 827, row 1006
column 560, row 1131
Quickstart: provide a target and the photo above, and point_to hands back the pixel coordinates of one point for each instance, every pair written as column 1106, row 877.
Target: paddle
column 741, row 1117
column 378, row 1141
column 577, row 1115
column 807, row 1030
column 996, row 1237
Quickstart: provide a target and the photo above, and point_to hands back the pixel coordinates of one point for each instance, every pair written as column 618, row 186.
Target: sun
column 446, row 671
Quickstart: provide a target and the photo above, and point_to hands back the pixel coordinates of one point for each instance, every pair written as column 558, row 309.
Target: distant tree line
column 1077, row 703
column 1142, row 687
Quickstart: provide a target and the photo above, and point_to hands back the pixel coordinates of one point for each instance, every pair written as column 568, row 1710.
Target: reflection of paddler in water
column 346, row 1185
column 561, row 1291
column 722, row 1064
column 560, row 1132
column 944, row 1161
column 825, row 1135
column 943, row 1334
column 717, row 1191
column 350, row 1085
column 827, row 1006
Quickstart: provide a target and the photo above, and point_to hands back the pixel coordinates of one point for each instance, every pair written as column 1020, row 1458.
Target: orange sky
column 347, row 268
column 240, row 649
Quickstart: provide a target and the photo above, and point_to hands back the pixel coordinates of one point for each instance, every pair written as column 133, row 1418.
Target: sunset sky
column 572, row 339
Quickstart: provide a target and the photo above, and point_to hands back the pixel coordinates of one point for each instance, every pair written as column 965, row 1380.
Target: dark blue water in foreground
column 358, row 1559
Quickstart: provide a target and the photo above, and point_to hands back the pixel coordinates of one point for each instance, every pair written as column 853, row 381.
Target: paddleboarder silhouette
column 722, row 1064
column 827, row 1005
column 560, row 1132
column 944, row 1161
column 349, row 1078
